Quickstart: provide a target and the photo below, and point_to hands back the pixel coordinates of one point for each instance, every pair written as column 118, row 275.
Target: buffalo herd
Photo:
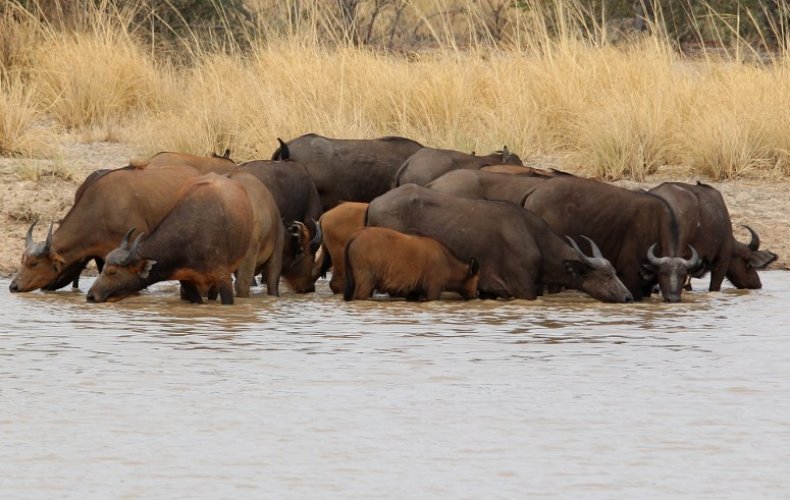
column 386, row 215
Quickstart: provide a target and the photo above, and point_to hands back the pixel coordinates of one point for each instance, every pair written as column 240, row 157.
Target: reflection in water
column 310, row 396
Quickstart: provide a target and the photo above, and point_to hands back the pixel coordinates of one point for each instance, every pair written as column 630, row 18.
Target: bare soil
column 764, row 204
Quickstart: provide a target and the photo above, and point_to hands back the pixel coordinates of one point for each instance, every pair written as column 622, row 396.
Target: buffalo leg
column 190, row 293
column 717, row 275
column 226, row 291
column 274, row 267
column 245, row 274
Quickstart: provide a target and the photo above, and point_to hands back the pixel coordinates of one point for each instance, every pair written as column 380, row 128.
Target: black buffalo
column 348, row 169
column 705, row 224
column 518, row 253
column 300, row 207
column 637, row 231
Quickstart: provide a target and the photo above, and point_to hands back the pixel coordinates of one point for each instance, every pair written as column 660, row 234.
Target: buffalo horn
column 595, row 250
column 295, row 228
column 125, row 240
column 754, row 245
column 136, row 244
column 48, row 243
column 651, row 256
column 584, row 258
column 317, row 238
column 694, row 260
column 29, row 237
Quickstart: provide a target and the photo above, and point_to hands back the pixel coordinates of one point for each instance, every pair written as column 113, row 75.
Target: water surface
column 312, row 397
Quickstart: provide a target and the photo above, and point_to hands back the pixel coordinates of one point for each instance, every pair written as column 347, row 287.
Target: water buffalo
column 415, row 267
column 203, row 164
column 348, row 169
column 629, row 226
column 103, row 211
column 480, row 185
column 266, row 243
column 518, row 252
column 705, row 224
column 201, row 241
column 522, row 170
column 428, row 164
column 300, row 208
column 337, row 226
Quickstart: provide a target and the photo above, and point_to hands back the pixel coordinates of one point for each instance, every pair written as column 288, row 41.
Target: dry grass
column 21, row 132
column 616, row 111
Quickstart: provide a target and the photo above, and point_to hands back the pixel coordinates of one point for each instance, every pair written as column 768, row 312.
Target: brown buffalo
column 203, row 164
column 104, row 210
column 480, row 185
column 266, row 243
column 348, row 169
column 337, row 226
column 300, row 208
column 201, row 241
column 428, row 164
column 415, row 267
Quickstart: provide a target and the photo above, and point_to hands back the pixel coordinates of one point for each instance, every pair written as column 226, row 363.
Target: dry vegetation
column 541, row 79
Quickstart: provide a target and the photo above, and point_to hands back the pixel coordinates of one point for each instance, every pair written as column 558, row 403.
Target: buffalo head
column 595, row 275
column 124, row 272
column 468, row 289
column 671, row 272
column 300, row 273
column 746, row 260
column 40, row 264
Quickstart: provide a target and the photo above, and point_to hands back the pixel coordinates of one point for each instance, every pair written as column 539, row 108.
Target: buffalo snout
column 14, row 287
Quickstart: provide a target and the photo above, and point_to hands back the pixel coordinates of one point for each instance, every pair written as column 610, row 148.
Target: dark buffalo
column 103, row 211
column 401, row 265
column 337, row 226
column 428, row 164
column 201, row 241
column 203, row 164
column 480, row 185
column 705, row 224
column 632, row 228
column 300, row 207
column 348, row 169
column 518, row 252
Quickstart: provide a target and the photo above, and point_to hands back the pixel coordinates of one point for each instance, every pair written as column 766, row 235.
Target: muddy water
column 311, row 397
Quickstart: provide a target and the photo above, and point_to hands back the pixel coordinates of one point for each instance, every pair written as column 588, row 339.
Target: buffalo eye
column 111, row 272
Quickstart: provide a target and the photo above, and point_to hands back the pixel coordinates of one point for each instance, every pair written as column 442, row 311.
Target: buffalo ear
column 58, row 263
column 474, row 267
column 576, row 268
column 646, row 272
column 761, row 258
column 146, row 269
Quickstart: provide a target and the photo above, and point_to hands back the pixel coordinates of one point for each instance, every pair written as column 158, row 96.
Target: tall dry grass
column 548, row 84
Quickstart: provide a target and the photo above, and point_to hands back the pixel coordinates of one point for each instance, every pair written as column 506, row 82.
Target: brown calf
column 415, row 267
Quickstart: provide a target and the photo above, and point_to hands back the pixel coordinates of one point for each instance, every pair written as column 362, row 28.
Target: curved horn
column 295, row 228
column 29, row 237
column 595, row 250
column 584, row 258
column 48, row 243
column 651, row 256
column 694, row 260
column 125, row 240
column 754, row 245
column 136, row 244
column 317, row 238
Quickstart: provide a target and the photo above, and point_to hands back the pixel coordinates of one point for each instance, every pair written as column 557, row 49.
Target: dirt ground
column 764, row 204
